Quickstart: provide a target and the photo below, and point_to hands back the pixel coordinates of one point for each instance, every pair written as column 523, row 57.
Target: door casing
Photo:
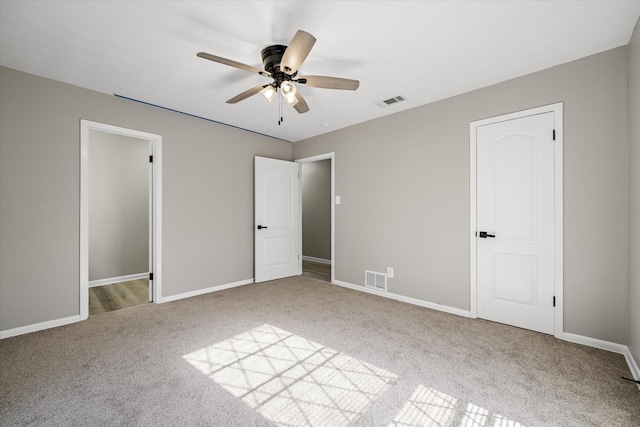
column 557, row 109
column 155, row 211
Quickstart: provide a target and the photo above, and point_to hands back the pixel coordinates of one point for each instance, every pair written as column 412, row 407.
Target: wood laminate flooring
column 117, row 296
column 316, row 270
column 107, row 298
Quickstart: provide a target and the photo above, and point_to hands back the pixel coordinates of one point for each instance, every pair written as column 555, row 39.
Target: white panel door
column 277, row 198
column 515, row 222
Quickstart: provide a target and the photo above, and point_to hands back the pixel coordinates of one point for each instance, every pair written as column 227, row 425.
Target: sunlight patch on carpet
column 426, row 407
column 291, row 380
column 429, row 407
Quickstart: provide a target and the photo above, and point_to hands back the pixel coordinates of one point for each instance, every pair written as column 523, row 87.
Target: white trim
column 324, row 156
column 473, row 214
column 559, row 216
column 402, row 298
column 150, row 225
column 557, row 109
column 565, row 336
column 38, row 327
column 633, row 366
column 156, row 182
column 112, row 280
column 607, row 346
column 84, row 220
column 594, row 342
column 205, row 291
column 156, row 150
column 314, row 259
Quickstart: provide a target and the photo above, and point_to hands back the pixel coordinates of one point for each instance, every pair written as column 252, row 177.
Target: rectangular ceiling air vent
column 390, row 101
column 375, row 280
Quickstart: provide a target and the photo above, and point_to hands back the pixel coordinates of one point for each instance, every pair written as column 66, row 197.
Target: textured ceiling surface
column 422, row 50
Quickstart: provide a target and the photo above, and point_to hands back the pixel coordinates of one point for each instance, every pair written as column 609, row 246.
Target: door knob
column 260, row 227
column 484, row 235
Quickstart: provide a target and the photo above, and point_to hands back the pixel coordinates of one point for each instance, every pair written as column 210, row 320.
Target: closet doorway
column 120, row 242
column 317, row 217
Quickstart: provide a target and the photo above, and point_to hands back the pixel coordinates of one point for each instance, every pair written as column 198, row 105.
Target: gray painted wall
column 404, row 186
column 413, row 164
column 633, row 322
column 316, row 209
column 118, row 205
column 207, row 195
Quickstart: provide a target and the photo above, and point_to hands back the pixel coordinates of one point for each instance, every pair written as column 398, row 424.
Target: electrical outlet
column 337, row 200
column 390, row 272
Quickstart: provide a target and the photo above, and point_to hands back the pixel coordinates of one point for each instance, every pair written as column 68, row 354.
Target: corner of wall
column 633, row 202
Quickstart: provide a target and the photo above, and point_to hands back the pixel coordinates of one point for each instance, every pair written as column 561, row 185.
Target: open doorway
column 120, row 242
column 119, row 221
column 317, row 213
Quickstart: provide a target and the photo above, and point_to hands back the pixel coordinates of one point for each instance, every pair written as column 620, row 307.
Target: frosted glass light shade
column 268, row 92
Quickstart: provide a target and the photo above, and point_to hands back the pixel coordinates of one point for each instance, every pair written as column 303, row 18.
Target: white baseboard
column 566, row 336
column 112, row 280
column 314, row 259
column 633, row 366
column 578, row 339
column 205, row 291
column 73, row 319
column 38, row 326
column 608, row 346
column 409, row 300
column 594, row 342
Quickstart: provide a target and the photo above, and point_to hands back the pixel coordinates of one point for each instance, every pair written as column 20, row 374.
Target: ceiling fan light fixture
column 291, row 100
column 281, row 64
column 288, row 89
column 268, row 92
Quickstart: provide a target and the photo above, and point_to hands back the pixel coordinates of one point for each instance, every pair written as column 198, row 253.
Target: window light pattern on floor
column 291, row 380
column 429, row 407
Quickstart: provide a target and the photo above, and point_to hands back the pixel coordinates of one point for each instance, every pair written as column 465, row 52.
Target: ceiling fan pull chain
column 279, row 108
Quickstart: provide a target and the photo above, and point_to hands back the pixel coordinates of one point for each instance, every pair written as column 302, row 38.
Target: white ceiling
column 422, row 50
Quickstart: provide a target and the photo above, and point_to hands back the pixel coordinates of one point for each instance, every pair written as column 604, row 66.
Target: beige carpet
column 303, row 352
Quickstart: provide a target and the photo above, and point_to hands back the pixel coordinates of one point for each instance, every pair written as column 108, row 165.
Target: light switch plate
column 337, row 200
column 390, row 272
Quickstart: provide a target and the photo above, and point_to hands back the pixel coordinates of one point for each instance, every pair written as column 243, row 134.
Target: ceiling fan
column 281, row 63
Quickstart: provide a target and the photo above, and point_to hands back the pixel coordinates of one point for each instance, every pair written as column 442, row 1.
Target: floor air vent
column 375, row 280
column 390, row 101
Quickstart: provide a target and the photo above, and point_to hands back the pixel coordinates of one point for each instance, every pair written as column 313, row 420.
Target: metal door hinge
column 554, row 301
column 150, row 159
column 150, row 276
column 554, row 134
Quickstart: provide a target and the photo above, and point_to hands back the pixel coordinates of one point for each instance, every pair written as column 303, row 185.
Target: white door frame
column 325, row 156
column 156, row 211
column 557, row 109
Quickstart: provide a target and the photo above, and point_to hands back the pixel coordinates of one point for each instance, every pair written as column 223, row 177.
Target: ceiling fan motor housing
column 271, row 57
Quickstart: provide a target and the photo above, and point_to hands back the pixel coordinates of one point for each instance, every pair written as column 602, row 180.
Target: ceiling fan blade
column 301, row 106
column 297, row 52
column 329, row 82
column 231, row 63
column 246, row 94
